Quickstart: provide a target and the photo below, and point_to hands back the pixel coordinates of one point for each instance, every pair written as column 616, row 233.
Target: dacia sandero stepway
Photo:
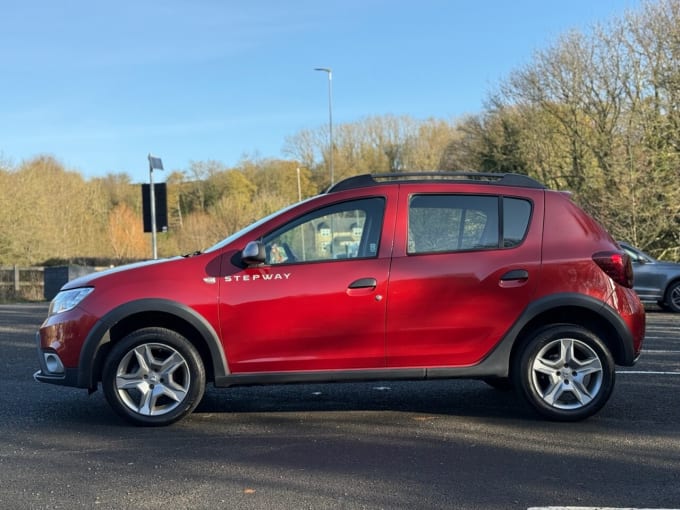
column 382, row 277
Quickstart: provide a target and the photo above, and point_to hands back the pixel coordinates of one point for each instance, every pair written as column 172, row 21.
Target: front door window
column 342, row 231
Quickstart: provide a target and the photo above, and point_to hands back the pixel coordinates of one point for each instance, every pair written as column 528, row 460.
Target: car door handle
column 364, row 283
column 515, row 274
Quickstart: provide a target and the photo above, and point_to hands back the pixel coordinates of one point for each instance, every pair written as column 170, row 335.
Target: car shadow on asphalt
column 459, row 398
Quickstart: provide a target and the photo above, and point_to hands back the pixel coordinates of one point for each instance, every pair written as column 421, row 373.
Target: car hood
column 91, row 278
column 666, row 265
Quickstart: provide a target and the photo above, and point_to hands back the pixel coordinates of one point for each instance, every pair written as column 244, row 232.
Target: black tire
column 153, row 377
column 565, row 372
column 672, row 297
column 663, row 305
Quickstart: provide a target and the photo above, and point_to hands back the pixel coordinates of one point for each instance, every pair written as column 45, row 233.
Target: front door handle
column 364, row 283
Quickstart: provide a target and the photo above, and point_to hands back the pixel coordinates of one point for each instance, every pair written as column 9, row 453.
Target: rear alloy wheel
column 153, row 376
column 673, row 297
column 565, row 372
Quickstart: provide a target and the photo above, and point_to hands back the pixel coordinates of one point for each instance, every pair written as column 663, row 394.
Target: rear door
column 465, row 266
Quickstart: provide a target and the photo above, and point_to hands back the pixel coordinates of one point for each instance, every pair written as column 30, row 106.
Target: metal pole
column 330, row 122
column 329, row 71
column 302, row 232
column 154, row 163
column 299, row 186
column 152, row 199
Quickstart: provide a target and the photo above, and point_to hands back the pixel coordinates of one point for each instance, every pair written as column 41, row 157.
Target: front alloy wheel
column 154, row 376
column 565, row 372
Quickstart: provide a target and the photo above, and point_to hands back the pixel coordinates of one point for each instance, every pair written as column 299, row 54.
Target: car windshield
column 250, row 228
column 637, row 254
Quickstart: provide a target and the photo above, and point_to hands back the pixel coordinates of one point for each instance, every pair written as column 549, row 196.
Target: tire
column 153, row 377
column 663, row 305
column 673, row 297
column 565, row 372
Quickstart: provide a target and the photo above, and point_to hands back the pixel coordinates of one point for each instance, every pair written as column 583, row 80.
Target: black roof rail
column 503, row 179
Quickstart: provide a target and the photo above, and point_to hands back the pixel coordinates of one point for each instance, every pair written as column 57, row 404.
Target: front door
column 317, row 302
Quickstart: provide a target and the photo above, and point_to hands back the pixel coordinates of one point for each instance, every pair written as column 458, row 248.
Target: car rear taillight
column 617, row 266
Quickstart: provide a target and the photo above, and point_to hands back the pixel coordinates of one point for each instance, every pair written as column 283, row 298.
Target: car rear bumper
column 633, row 315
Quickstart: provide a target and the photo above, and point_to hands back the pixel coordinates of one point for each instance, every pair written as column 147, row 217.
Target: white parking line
column 646, row 372
column 591, row 508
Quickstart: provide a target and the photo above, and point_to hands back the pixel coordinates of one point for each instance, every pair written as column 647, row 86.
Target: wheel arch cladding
column 581, row 310
column 150, row 313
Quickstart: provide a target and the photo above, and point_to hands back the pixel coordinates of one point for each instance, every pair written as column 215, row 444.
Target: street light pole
column 299, row 185
column 329, row 71
column 156, row 163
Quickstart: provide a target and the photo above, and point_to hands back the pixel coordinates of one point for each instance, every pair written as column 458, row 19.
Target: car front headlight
column 68, row 299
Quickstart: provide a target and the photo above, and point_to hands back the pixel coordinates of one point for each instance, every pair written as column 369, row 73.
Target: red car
column 393, row 276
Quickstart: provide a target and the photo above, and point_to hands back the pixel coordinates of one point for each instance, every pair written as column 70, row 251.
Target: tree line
column 597, row 113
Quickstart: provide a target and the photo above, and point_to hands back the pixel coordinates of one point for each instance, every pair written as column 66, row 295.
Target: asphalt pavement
column 396, row 445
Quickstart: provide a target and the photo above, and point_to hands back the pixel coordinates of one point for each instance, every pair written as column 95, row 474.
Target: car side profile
column 655, row 281
column 382, row 277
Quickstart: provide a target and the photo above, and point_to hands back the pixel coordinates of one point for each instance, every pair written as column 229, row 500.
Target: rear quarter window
column 516, row 215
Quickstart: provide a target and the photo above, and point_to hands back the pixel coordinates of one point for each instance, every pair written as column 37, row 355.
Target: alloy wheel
column 153, row 379
column 567, row 374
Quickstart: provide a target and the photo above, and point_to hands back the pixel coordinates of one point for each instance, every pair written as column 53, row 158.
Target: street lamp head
column 325, row 70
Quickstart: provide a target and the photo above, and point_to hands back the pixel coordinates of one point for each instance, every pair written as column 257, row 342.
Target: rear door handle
column 364, row 283
column 515, row 274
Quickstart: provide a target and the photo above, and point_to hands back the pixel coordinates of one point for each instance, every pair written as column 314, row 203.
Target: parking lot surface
column 442, row 444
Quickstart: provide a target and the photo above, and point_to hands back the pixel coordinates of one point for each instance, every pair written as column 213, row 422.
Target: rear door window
column 447, row 223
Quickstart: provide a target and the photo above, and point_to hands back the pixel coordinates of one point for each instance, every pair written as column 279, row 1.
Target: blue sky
column 99, row 85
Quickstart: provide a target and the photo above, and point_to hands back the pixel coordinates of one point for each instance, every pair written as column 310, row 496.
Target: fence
column 37, row 283
column 22, row 284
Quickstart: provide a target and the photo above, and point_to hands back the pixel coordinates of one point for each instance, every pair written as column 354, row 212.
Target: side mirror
column 253, row 254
